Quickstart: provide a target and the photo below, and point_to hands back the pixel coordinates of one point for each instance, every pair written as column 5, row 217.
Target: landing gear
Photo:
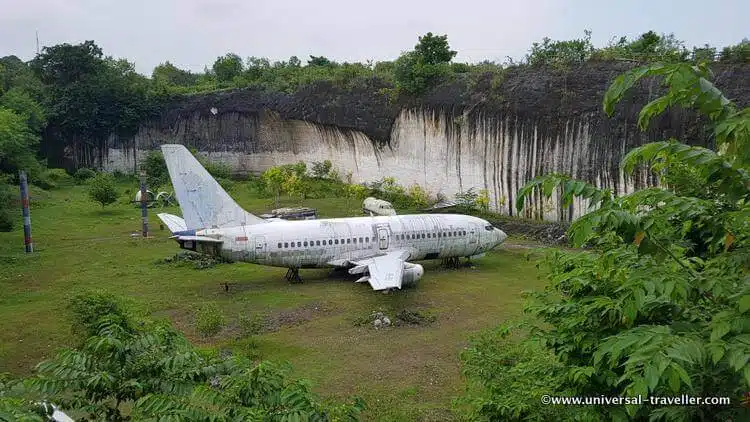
column 452, row 262
column 292, row 276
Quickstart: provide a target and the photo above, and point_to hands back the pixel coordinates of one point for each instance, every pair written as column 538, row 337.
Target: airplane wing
column 385, row 271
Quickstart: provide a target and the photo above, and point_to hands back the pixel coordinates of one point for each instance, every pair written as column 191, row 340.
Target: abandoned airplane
column 377, row 247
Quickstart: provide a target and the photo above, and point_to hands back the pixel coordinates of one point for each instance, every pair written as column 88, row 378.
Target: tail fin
column 203, row 202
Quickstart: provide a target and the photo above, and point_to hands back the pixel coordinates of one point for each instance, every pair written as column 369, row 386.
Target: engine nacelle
column 412, row 273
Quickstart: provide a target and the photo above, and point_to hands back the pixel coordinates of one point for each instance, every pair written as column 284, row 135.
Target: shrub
column 322, row 170
column 58, row 175
column 156, row 170
column 226, row 184
column 218, row 170
column 7, row 217
column 418, row 196
column 84, row 174
column 102, row 189
column 209, row 320
column 88, row 308
column 252, row 324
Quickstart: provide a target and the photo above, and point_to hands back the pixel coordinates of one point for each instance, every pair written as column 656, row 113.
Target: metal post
column 144, row 203
column 26, row 215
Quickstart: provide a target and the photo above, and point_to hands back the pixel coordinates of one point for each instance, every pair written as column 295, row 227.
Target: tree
column 17, row 144
column 319, row 61
column 103, row 189
column 425, row 66
column 434, row 49
column 483, row 200
column 227, row 67
column 418, row 196
column 172, row 75
column 293, row 185
column 274, row 179
column 739, row 53
column 90, row 97
column 354, row 192
column 18, row 100
column 661, row 304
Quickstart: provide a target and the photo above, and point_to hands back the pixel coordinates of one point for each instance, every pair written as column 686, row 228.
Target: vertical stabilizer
column 203, row 202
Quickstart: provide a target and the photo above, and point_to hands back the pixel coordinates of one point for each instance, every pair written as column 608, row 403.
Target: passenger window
column 423, row 236
column 455, row 233
column 317, row 243
column 286, row 244
column 337, row 241
column 342, row 241
column 330, row 241
column 360, row 240
column 348, row 241
column 367, row 239
column 305, row 243
column 299, row 244
column 279, row 246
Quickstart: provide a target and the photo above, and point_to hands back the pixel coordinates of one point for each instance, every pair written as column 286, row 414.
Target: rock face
column 488, row 135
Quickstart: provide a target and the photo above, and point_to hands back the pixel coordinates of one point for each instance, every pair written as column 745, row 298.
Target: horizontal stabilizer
column 174, row 223
column 205, row 239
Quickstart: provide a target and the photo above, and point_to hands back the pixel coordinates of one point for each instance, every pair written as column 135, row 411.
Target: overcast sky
column 192, row 33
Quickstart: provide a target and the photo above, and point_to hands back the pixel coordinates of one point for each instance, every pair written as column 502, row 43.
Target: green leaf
column 744, row 303
column 720, row 330
column 651, row 374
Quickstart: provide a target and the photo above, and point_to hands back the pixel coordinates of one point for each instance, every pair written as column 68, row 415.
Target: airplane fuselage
column 326, row 242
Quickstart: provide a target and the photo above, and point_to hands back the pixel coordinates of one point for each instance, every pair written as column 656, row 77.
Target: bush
column 226, row 184
column 7, row 196
column 156, row 170
column 252, row 324
column 84, row 174
column 102, row 189
column 418, row 196
column 218, row 170
column 322, row 170
column 88, row 308
column 209, row 320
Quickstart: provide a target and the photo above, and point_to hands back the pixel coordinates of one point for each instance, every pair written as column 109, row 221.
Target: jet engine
column 412, row 273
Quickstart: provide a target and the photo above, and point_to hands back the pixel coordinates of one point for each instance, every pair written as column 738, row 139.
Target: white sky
column 192, row 33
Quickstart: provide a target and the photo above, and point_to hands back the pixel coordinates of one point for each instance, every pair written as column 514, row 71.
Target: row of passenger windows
column 408, row 236
column 330, row 242
column 431, row 235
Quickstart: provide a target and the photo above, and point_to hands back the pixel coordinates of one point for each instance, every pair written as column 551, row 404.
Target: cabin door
column 473, row 235
column 383, row 238
column 260, row 248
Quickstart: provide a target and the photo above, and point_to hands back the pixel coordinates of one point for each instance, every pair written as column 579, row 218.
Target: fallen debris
column 379, row 319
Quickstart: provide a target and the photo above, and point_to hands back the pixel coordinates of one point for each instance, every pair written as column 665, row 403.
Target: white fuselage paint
column 317, row 243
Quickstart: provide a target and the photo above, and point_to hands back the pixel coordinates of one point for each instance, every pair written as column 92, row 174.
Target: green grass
column 403, row 373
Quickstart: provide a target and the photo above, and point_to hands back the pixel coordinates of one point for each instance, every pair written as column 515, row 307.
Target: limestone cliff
column 495, row 135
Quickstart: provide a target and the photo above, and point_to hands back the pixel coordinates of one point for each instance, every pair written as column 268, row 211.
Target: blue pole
column 144, row 204
column 26, row 215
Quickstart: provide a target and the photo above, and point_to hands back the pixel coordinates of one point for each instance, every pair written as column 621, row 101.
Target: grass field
column 403, row 373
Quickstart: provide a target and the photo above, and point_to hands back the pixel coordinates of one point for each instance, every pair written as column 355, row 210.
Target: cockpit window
column 489, row 227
